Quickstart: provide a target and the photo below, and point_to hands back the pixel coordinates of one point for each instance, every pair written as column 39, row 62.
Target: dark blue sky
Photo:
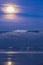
column 30, row 16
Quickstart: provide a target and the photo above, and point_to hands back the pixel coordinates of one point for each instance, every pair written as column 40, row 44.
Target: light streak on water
column 22, row 52
column 9, row 62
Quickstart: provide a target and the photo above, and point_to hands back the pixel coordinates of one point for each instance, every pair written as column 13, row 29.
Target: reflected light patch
column 9, row 63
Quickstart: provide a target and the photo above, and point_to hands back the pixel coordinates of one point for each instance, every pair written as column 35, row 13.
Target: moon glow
column 10, row 9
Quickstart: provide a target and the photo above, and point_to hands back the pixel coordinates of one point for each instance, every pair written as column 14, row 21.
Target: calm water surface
column 22, row 40
column 21, row 59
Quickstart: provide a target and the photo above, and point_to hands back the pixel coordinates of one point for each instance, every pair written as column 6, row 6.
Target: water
column 27, row 41
column 24, row 39
column 21, row 59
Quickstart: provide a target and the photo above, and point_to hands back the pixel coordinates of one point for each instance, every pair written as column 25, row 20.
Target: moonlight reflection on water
column 9, row 62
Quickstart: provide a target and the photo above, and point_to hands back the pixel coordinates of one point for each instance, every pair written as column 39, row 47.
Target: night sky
column 29, row 17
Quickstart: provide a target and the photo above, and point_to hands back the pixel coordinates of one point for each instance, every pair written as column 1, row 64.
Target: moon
column 10, row 9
